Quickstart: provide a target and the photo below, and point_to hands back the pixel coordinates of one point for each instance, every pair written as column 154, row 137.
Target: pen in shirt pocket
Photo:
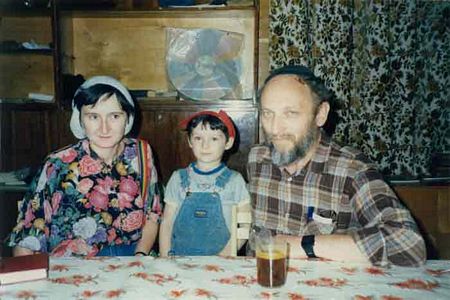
column 310, row 213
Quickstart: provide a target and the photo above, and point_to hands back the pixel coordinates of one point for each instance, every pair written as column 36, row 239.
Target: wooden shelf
column 28, row 52
column 201, row 12
column 25, row 12
column 25, row 104
column 174, row 104
column 13, row 188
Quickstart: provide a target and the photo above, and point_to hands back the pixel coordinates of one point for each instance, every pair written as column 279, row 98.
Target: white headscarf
column 75, row 123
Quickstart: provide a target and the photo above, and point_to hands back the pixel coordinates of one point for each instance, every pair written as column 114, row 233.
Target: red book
column 23, row 268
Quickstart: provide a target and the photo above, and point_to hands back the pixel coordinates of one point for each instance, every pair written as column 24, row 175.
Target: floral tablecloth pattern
column 228, row 278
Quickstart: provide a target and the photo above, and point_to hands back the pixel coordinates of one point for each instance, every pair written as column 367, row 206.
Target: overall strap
column 144, row 171
column 223, row 178
column 184, row 176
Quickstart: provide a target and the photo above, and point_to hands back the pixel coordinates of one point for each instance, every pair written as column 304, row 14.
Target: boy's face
column 208, row 146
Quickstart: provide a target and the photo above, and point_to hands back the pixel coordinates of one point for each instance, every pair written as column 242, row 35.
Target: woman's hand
column 19, row 251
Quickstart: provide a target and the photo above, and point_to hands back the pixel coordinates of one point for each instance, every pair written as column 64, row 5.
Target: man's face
column 288, row 118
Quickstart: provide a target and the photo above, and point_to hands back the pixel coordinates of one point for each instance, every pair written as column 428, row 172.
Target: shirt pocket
column 324, row 221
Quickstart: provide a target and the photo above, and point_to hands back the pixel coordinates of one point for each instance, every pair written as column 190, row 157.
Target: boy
column 199, row 198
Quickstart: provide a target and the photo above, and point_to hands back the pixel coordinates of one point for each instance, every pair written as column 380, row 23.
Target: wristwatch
column 308, row 245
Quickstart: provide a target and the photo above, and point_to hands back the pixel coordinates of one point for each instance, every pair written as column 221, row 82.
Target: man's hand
column 337, row 247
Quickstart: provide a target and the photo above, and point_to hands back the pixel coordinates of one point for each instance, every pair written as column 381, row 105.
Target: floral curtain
column 388, row 64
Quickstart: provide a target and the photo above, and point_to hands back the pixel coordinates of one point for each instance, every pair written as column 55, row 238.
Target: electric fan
column 204, row 64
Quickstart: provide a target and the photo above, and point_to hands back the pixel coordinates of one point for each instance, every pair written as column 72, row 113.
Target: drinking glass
column 271, row 260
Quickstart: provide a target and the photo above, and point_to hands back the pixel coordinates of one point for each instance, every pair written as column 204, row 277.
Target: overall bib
column 117, row 250
column 200, row 227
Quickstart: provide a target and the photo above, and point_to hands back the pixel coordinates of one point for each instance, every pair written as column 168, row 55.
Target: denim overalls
column 200, row 227
column 117, row 250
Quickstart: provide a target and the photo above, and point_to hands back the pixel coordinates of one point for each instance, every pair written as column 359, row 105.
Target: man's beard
column 298, row 152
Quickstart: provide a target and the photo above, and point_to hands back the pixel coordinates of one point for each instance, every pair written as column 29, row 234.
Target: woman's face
column 104, row 123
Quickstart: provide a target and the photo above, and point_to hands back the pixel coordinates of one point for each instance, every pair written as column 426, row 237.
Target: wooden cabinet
column 26, row 135
column 27, row 71
column 430, row 205
column 126, row 42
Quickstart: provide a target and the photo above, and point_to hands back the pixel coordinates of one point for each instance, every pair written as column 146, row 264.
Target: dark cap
column 305, row 74
column 299, row 70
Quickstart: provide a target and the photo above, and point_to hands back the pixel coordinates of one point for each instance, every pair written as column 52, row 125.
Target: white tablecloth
column 228, row 278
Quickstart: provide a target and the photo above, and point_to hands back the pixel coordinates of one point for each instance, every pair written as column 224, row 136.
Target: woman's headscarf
column 75, row 122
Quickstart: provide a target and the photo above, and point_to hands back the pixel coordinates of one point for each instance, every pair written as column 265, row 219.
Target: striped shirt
column 344, row 194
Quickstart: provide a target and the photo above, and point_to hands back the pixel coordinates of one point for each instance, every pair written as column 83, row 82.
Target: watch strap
column 308, row 245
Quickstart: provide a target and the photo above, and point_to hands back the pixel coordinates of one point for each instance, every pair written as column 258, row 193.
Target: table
column 228, row 278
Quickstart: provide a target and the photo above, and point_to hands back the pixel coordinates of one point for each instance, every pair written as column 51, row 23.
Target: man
column 326, row 200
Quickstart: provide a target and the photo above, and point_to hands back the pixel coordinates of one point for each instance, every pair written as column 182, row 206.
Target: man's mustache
column 280, row 137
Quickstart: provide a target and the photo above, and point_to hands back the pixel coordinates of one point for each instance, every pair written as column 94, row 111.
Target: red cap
column 221, row 115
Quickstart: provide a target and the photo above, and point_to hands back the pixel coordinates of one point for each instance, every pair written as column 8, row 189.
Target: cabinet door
column 25, row 136
column 61, row 130
column 430, row 205
column 246, row 122
column 170, row 146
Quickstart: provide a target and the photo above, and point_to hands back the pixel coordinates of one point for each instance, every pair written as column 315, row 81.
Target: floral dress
column 77, row 203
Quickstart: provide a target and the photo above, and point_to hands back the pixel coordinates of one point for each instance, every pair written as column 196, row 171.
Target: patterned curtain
column 388, row 64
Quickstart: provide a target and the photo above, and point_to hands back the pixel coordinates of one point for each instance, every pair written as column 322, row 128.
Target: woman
column 96, row 197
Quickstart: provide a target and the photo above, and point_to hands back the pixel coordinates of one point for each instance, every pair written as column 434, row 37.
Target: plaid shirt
column 344, row 194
